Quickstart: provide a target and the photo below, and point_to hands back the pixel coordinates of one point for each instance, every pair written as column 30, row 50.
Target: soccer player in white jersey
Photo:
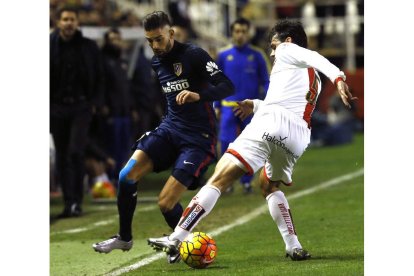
column 274, row 140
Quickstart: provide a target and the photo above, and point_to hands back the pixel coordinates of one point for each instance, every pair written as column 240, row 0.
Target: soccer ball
column 103, row 189
column 198, row 250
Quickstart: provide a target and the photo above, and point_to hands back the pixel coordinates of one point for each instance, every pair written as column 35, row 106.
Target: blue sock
column 173, row 216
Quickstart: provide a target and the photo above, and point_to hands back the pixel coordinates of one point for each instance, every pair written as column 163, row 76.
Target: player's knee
column 124, row 174
column 266, row 185
column 269, row 187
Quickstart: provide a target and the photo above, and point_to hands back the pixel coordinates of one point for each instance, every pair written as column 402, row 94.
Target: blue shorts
column 168, row 148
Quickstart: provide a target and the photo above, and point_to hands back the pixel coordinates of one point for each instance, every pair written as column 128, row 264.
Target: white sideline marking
column 139, row 264
column 83, row 229
column 242, row 220
column 99, row 223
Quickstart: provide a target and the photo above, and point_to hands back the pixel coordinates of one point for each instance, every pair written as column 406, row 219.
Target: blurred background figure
column 118, row 109
column 97, row 163
column 52, row 166
column 180, row 34
column 179, row 12
column 149, row 100
column 248, row 68
column 75, row 92
column 336, row 127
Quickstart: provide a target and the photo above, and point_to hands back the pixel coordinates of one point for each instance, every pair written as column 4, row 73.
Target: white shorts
column 274, row 139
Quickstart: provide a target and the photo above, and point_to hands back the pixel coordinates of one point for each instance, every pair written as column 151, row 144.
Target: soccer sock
column 126, row 201
column 173, row 216
column 280, row 212
column 199, row 207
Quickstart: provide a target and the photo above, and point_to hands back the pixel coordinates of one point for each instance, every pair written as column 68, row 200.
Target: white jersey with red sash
column 279, row 132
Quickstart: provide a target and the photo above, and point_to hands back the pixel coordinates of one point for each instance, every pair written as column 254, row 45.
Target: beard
column 68, row 32
column 161, row 53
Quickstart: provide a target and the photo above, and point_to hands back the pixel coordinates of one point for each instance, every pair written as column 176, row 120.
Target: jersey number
column 312, row 94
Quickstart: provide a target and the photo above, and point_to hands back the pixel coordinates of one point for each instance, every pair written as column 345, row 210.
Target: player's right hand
column 186, row 96
column 244, row 109
column 343, row 91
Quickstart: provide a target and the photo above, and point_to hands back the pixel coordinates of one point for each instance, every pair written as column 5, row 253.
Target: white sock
column 199, row 207
column 279, row 210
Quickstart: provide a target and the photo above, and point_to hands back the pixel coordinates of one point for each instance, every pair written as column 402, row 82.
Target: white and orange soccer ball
column 198, row 250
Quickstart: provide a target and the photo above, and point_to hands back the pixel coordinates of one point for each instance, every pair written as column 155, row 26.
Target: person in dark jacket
column 75, row 93
column 118, row 98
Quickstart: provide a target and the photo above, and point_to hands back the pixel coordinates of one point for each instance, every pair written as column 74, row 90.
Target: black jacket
column 91, row 68
column 117, row 88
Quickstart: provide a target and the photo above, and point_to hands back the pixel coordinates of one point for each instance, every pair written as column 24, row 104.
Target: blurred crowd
column 95, row 92
column 132, row 103
column 96, row 13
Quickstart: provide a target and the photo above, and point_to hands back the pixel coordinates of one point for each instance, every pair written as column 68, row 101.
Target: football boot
column 170, row 247
column 112, row 243
column 298, row 254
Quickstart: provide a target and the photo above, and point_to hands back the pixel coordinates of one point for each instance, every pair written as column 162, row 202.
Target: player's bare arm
column 244, row 109
column 343, row 91
column 187, row 96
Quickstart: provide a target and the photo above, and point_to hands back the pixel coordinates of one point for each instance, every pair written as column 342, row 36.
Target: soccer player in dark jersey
column 186, row 138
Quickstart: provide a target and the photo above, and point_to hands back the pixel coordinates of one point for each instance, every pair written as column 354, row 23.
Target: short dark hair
column 67, row 9
column 155, row 20
column 240, row 21
column 285, row 28
column 111, row 30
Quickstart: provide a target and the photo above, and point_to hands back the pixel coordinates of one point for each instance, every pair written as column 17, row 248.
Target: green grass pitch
column 329, row 223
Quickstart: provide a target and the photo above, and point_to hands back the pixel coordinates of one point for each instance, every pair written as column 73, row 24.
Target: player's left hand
column 343, row 91
column 187, row 96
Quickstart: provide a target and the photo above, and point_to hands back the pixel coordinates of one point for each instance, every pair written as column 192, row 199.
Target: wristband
column 338, row 79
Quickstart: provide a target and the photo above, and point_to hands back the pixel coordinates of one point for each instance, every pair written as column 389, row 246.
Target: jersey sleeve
column 220, row 64
column 291, row 53
column 220, row 86
column 256, row 104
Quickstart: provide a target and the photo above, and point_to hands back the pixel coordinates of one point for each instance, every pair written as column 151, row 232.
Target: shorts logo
column 279, row 143
column 178, row 68
column 188, row 162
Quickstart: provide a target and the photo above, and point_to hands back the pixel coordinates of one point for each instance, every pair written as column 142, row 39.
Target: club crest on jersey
column 178, row 68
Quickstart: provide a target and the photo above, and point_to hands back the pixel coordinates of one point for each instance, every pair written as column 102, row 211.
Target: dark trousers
column 69, row 125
